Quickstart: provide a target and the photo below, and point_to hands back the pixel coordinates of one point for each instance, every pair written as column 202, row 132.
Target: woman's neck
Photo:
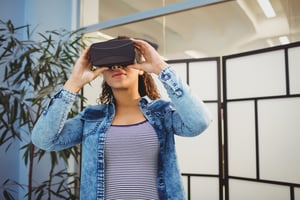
column 127, row 108
column 126, row 98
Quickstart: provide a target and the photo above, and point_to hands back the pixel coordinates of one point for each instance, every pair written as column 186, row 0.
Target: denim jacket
column 183, row 114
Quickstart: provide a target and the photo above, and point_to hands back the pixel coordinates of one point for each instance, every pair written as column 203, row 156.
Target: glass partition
column 221, row 28
column 110, row 9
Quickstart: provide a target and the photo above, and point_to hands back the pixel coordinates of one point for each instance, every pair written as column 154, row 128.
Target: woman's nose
column 116, row 67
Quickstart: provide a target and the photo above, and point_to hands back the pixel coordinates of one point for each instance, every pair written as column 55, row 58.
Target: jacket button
column 178, row 92
column 161, row 181
column 165, row 76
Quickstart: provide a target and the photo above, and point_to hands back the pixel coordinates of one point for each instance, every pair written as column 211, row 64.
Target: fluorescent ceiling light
column 267, row 8
column 105, row 36
column 284, row 40
column 193, row 54
column 270, row 42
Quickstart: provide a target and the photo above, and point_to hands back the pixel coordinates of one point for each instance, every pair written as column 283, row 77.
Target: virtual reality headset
column 115, row 52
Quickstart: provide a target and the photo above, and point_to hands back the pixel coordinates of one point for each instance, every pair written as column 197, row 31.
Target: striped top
column 131, row 153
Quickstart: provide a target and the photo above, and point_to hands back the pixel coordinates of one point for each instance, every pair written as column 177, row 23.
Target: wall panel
column 256, row 75
column 205, row 188
column 203, row 79
column 245, row 190
column 279, row 139
column 294, row 69
column 241, row 139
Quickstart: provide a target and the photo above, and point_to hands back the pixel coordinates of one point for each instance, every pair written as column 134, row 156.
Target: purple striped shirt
column 131, row 153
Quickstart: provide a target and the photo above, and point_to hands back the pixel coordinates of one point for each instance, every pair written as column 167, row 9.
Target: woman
column 127, row 141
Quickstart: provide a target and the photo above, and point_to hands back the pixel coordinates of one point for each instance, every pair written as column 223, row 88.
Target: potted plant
column 30, row 71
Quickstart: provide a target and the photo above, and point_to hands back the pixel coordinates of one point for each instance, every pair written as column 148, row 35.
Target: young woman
column 127, row 140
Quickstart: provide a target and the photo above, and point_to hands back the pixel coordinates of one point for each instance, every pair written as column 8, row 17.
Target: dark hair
column 146, row 85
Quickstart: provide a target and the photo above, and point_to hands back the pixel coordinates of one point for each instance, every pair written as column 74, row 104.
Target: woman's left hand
column 153, row 62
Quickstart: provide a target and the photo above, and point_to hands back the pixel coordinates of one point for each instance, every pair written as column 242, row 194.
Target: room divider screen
column 200, row 157
column 261, row 124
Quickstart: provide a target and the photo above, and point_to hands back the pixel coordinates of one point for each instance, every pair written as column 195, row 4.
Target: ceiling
column 219, row 29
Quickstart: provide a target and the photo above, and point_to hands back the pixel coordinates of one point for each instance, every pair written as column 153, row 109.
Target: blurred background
column 224, row 27
column 251, row 149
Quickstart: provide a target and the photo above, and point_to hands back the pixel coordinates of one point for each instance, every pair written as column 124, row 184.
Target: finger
column 142, row 66
column 86, row 53
column 135, row 66
column 137, row 42
column 140, row 44
column 99, row 70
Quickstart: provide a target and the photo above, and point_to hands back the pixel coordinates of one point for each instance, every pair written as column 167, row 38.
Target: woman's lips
column 117, row 74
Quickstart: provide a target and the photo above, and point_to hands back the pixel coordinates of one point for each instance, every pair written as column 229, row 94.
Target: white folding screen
column 262, row 129
column 199, row 156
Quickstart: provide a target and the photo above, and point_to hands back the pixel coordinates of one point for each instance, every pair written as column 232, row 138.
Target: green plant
column 30, row 71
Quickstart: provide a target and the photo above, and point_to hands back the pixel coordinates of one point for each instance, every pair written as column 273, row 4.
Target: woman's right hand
column 83, row 72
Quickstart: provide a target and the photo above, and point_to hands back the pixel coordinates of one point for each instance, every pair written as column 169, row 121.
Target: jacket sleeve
column 191, row 116
column 53, row 131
